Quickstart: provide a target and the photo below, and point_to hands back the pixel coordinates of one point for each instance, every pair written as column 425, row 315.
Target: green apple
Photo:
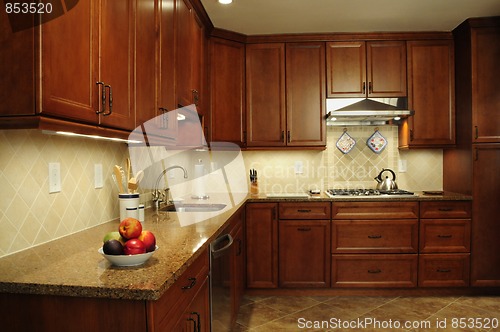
column 113, row 236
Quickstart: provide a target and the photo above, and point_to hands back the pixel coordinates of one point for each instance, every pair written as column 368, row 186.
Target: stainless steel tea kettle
column 386, row 184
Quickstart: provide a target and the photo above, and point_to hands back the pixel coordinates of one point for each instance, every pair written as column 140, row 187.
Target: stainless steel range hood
column 366, row 111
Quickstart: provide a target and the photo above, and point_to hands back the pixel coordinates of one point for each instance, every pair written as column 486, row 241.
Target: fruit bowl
column 128, row 260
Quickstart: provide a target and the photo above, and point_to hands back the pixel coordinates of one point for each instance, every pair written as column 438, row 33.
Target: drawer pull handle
column 447, row 236
column 304, row 229
column 443, row 270
column 191, row 285
column 375, row 271
column 445, row 209
column 374, row 236
column 304, row 210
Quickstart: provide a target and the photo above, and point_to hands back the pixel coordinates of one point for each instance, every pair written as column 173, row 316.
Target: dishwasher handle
column 219, row 252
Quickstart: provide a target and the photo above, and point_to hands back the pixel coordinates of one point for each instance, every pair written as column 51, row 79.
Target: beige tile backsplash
column 30, row 216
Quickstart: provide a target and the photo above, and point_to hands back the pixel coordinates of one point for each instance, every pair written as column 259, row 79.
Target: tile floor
column 301, row 313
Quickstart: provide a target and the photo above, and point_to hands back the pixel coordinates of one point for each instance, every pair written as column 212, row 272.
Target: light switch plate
column 54, row 178
column 98, row 181
column 299, row 167
column 402, row 166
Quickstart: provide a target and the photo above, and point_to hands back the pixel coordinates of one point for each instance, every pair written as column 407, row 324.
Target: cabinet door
column 346, row 69
column 165, row 124
column 265, row 94
column 145, row 65
column 183, row 52
column 485, row 246
column 305, row 94
column 485, row 95
column 304, row 253
column 262, row 245
column 17, row 61
column 116, row 61
column 197, row 315
column 71, row 42
column 386, row 68
column 227, row 78
column 238, row 269
column 431, row 93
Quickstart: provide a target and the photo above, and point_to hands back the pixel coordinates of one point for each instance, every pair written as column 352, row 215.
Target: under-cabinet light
column 225, row 2
column 67, row 133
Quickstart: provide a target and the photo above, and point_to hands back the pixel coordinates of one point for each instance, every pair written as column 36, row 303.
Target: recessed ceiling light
column 225, row 2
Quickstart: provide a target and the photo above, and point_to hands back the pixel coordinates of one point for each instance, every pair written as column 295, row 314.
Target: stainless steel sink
column 193, row 207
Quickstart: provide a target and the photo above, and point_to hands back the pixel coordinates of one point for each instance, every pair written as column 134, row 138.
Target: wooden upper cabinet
column 17, row 59
column 93, row 43
column 305, row 94
column 189, row 54
column 285, row 88
column 117, row 62
column 71, row 42
column 227, row 83
column 361, row 69
column 346, row 69
column 265, row 94
column 146, row 74
column 386, row 69
column 431, row 94
column 485, row 44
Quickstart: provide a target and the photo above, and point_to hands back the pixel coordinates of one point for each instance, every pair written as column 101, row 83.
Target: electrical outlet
column 98, row 181
column 54, row 178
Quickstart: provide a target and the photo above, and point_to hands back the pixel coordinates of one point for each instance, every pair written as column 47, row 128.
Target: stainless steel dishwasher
column 220, row 280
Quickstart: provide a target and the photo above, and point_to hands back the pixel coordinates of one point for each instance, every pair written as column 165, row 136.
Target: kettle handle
column 390, row 170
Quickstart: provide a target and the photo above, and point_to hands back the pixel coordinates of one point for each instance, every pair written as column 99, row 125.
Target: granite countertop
column 418, row 196
column 71, row 266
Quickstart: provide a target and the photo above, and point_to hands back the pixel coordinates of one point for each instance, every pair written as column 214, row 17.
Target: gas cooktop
column 367, row 193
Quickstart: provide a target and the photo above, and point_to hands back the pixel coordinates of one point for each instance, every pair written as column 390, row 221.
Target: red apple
column 149, row 240
column 130, row 228
column 134, row 247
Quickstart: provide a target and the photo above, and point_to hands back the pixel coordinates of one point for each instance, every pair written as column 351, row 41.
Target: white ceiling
column 253, row 17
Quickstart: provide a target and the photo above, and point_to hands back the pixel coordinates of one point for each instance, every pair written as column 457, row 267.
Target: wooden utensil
column 118, row 173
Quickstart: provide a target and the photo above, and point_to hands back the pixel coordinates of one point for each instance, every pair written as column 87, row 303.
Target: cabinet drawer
column 445, row 209
column 375, row 236
column 305, row 210
column 179, row 295
column 374, row 270
column 374, row 210
column 444, row 270
column 444, row 235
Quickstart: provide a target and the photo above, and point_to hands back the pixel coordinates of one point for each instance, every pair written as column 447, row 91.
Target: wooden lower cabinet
column 304, row 253
column 443, row 270
column 196, row 316
column 262, row 245
column 445, row 244
column 47, row 313
column 370, row 236
column 386, row 270
column 185, row 303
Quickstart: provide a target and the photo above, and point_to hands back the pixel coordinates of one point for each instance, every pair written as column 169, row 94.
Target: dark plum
column 112, row 247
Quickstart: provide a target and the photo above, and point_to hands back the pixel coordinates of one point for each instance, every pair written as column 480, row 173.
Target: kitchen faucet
column 159, row 196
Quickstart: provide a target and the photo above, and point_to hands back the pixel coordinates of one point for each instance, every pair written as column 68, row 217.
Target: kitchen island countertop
column 71, row 266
